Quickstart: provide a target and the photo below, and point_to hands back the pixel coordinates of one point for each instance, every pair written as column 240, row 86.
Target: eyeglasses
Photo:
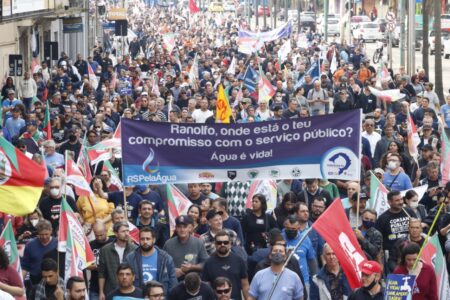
column 222, row 242
column 157, row 296
column 223, row 291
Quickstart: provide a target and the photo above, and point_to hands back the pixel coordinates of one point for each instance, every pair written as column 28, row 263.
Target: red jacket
column 426, row 285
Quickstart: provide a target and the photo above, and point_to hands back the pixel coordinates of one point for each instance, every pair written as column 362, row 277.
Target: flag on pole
column 413, row 137
column 250, row 79
column 445, row 157
column 232, row 67
column 114, row 176
column 72, row 267
column 47, row 124
column 378, row 195
column 334, row 227
column 249, row 45
column 284, row 51
column 265, row 88
column 134, row 232
column 20, row 179
column 178, row 204
column 169, row 41
column 333, row 64
column 193, row 8
column 92, row 77
column 193, row 72
column 75, row 177
column 268, row 188
column 432, row 255
column 83, row 161
column 68, row 220
column 387, row 95
column 223, row 109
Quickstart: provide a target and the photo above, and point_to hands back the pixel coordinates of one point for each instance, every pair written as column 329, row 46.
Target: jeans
column 93, row 295
column 27, row 102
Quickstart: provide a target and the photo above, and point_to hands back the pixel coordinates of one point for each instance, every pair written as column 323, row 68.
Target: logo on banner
column 5, row 168
column 151, row 165
column 337, row 162
column 253, row 174
column 274, row 173
column 296, row 172
column 206, row 175
column 232, row 174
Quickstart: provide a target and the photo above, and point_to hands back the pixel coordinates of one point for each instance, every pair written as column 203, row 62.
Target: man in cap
column 188, row 252
column 370, row 278
column 15, row 123
column 9, row 103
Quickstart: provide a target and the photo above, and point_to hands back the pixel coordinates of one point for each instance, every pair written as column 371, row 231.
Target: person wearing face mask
column 288, row 286
column 151, row 263
column 369, row 238
column 50, row 206
column 394, row 177
column 305, row 253
column 72, row 143
column 370, row 278
column 412, row 201
column 28, row 230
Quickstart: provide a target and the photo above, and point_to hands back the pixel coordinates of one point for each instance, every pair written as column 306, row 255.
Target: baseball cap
column 183, row 219
column 31, row 123
column 16, row 109
column 370, row 267
column 11, row 92
column 379, row 171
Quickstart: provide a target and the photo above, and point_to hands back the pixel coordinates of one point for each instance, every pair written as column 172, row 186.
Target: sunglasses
column 224, row 291
column 222, row 242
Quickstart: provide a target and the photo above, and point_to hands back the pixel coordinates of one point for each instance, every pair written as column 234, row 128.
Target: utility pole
column 411, row 37
column 342, row 23
column 402, row 32
column 285, row 10
column 349, row 23
column 256, row 12
column 325, row 19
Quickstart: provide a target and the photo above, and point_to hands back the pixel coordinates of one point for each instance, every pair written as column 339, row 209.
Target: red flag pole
column 305, row 235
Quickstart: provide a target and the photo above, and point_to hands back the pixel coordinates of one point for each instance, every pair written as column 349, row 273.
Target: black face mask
column 291, row 233
column 371, row 285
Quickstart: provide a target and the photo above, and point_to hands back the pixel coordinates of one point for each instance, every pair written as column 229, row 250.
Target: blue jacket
column 165, row 269
column 320, row 286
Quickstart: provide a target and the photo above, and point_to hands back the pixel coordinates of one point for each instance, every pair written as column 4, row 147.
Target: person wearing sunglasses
column 222, row 288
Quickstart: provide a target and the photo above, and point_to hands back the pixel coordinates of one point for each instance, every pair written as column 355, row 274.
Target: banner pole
column 428, row 235
column 305, row 235
column 125, row 208
column 359, row 158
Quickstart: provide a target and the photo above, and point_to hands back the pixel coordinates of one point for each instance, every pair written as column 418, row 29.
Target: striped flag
column 268, row 188
column 223, row 109
column 413, row 137
column 47, row 124
column 75, row 177
column 8, row 243
column 432, row 255
column 387, row 95
column 178, row 204
column 378, row 195
column 265, row 88
column 20, row 178
column 92, row 77
column 445, row 157
column 83, row 161
column 114, row 176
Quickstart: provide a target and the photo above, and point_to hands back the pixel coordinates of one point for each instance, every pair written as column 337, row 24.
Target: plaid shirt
column 40, row 290
column 210, row 245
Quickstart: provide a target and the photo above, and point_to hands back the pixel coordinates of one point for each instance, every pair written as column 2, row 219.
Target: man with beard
column 125, row 289
column 76, row 288
column 370, row 278
column 317, row 208
column 223, row 288
column 151, row 263
column 288, row 286
column 228, row 264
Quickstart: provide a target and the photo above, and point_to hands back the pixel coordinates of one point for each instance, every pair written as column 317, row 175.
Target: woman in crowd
column 200, row 228
column 256, row 223
column 285, row 208
column 28, row 230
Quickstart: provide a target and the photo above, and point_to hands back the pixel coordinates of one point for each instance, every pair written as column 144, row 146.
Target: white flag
column 284, row 51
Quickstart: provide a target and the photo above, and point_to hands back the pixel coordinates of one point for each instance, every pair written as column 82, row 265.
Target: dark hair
column 410, row 248
column 4, row 260
column 147, row 229
column 192, row 281
column 222, row 202
column 151, row 284
column 292, row 219
column 104, row 187
column 49, row 264
column 124, row 266
column 392, row 194
column 222, row 233
column 370, row 210
column 43, row 225
column 409, row 194
column 72, row 280
column 117, row 225
column 263, row 201
column 219, row 281
column 288, row 197
column 145, row 201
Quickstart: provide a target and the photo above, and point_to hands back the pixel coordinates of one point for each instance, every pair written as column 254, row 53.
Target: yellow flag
column 223, row 109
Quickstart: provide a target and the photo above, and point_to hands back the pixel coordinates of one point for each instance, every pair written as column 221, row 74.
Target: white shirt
column 373, row 138
column 434, row 99
column 200, row 116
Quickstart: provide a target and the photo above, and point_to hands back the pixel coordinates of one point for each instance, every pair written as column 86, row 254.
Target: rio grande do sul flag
column 75, row 177
column 432, row 254
column 20, row 178
column 265, row 88
column 378, row 195
column 8, row 242
column 178, row 204
column 68, row 219
column 413, row 137
column 268, row 188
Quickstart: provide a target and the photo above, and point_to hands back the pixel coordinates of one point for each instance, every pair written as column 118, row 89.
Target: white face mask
column 54, row 192
column 392, row 165
column 414, row 204
column 34, row 222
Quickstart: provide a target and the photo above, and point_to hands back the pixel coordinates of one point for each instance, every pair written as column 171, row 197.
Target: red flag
column 193, row 7
column 134, row 232
column 75, row 177
column 334, row 227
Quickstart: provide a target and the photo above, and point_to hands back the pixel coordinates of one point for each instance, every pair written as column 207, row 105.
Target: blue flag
column 313, row 71
column 251, row 78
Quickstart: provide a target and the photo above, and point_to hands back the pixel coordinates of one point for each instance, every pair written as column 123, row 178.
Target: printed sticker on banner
column 339, row 162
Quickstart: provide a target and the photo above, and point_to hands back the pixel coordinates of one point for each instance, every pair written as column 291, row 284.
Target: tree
column 438, row 86
column 425, row 43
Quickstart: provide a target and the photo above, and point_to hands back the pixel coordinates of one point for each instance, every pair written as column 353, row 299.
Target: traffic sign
column 390, row 26
column 15, row 65
column 390, row 17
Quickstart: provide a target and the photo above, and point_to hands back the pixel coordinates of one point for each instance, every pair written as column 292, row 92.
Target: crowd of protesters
column 220, row 250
